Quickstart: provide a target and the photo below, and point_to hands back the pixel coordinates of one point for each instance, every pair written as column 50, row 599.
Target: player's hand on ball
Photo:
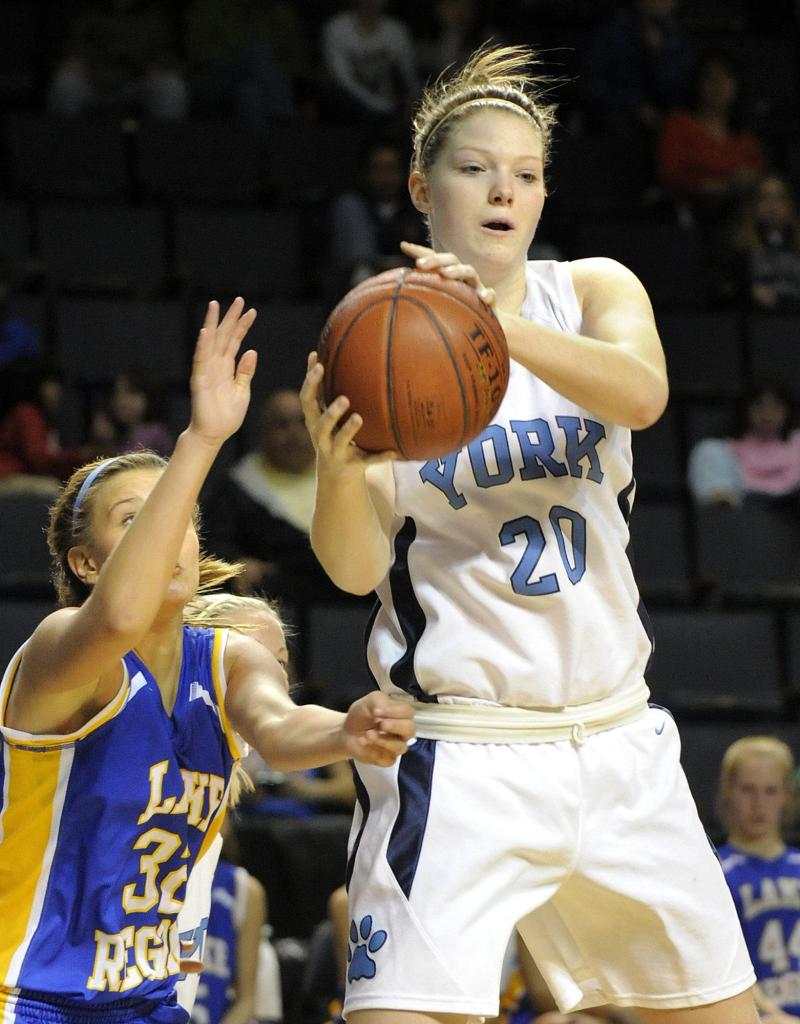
column 333, row 435
column 448, row 265
column 377, row 729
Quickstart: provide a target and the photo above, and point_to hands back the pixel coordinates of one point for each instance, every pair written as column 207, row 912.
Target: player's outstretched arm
column 355, row 493
column 291, row 737
column 78, row 649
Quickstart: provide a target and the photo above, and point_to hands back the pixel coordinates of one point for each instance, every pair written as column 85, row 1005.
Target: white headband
column 480, row 101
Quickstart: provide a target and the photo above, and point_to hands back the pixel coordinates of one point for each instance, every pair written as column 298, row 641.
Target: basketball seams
column 389, row 370
column 491, row 320
column 428, row 312
column 342, row 337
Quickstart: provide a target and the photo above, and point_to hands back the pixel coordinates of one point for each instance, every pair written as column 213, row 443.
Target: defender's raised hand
column 221, row 388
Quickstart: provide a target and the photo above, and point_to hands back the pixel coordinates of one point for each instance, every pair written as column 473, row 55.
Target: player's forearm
column 297, row 738
column 347, row 536
column 613, row 382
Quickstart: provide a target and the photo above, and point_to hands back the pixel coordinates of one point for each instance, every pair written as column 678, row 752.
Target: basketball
column 423, row 360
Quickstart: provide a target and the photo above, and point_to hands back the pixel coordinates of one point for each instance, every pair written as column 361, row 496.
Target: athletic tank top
column 510, row 580
column 100, row 828
column 767, row 898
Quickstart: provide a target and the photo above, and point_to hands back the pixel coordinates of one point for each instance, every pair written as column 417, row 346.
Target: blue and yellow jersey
column 99, row 830
column 767, row 898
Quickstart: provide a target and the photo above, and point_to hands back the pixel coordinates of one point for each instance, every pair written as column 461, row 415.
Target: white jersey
column 510, row 580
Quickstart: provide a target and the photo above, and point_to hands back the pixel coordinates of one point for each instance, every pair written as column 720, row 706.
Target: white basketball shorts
column 595, row 849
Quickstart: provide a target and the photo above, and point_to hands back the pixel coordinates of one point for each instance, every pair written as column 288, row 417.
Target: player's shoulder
column 604, row 279
column 599, row 268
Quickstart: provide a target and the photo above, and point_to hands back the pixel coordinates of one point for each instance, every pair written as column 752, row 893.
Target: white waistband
column 488, row 723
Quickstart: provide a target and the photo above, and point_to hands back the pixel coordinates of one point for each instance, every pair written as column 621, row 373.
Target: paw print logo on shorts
column 361, row 963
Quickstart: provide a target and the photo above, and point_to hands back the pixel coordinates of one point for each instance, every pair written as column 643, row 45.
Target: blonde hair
column 70, row 525
column 223, row 611
column 741, row 751
column 500, row 77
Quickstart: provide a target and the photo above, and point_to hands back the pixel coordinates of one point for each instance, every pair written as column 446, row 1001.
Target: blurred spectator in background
column 763, row 873
column 450, row 33
column 367, row 225
column 243, row 55
column 135, row 417
column 18, row 337
column 638, row 67
column 705, row 159
column 31, row 455
column 766, row 235
column 370, row 62
column 261, row 511
column 760, row 460
column 119, row 57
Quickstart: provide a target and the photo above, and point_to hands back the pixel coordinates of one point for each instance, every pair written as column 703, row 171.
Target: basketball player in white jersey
column 542, row 788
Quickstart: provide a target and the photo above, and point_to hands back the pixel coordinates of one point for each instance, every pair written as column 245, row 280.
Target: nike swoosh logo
column 660, row 729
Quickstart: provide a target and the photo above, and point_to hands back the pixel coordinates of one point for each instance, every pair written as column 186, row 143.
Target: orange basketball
column 422, row 359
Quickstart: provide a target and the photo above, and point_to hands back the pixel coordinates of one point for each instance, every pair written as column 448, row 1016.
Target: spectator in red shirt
column 31, row 455
column 705, row 159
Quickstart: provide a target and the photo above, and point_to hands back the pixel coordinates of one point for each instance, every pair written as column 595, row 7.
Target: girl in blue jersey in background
column 120, row 726
column 756, row 792
column 541, row 791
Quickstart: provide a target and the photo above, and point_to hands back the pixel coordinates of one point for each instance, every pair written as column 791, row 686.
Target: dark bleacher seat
column 199, row 160
column 793, row 652
column 660, row 546
column 18, row 619
column 702, row 747
column 720, row 661
column 336, row 659
column 666, row 257
column 24, row 559
column 768, row 63
column 309, row 162
column 15, row 242
column 711, row 18
column 250, row 252
column 97, row 338
column 597, row 174
column 793, row 163
column 703, row 350
column 657, row 459
column 57, row 158
column 20, row 47
column 283, row 334
column 773, row 341
column 707, row 418
column 750, row 551
column 114, row 248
